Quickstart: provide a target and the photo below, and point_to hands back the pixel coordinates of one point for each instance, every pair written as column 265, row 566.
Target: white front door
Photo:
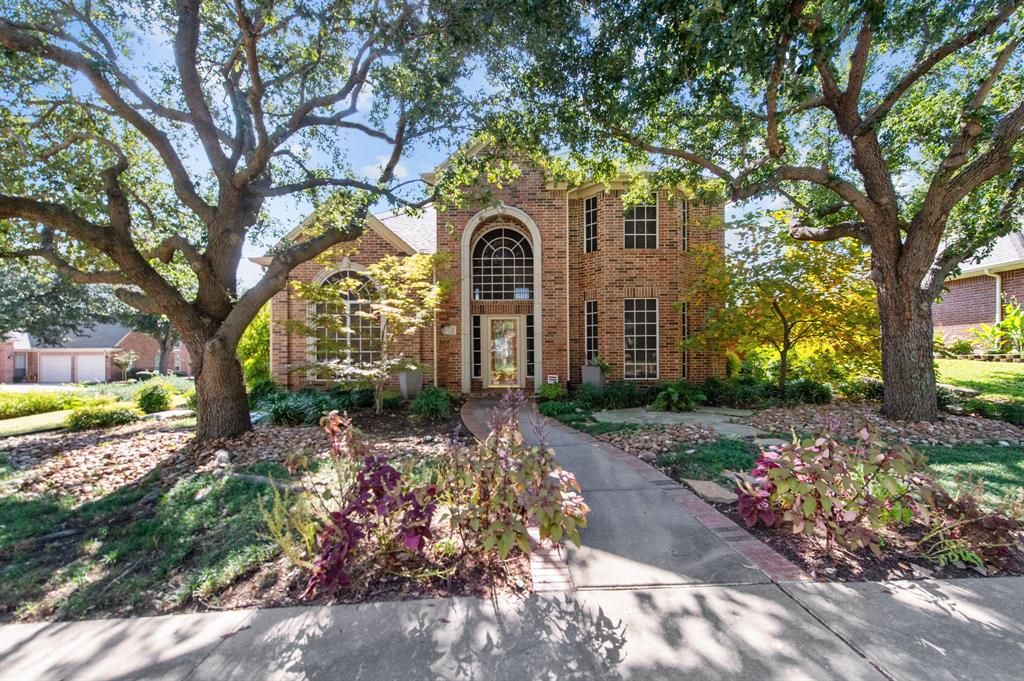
column 90, row 368
column 504, row 352
column 54, row 368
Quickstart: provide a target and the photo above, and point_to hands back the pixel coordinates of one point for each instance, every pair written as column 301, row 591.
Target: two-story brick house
column 542, row 280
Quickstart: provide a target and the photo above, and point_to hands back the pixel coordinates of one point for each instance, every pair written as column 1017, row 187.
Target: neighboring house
column 981, row 290
column 81, row 358
column 542, row 280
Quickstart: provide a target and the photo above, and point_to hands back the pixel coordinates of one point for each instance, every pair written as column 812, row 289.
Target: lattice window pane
column 686, row 337
column 530, row 368
column 684, row 225
column 640, row 225
column 590, row 225
column 640, row 338
column 477, row 363
column 503, row 266
column 590, row 326
column 343, row 330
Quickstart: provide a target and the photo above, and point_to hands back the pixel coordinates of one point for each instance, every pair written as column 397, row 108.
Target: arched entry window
column 503, row 266
column 341, row 332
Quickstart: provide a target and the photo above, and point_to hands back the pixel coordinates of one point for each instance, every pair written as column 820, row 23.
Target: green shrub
column 807, row 391
column 153, row 397
column 101, row 416
column 302, row 408
column 863, row 388
column 678, row 396
column 588, row 394
column 264, row 391
column 1001, row 411
column 732, row 364
column 393, row 399
column 557, row 408
column 552, row 391
column 627, row 394
column 961, row 347
column 13, row 405
column 191, row 400
column 744, row 391
column 432, row 404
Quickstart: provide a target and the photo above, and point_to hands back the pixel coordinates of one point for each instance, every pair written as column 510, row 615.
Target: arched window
column 342, row 334
column 503, row 266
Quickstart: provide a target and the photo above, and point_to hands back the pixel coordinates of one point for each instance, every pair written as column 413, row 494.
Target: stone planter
column 593, row 376
column 410, row 383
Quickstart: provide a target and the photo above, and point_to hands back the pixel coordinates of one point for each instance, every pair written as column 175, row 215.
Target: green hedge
column 101, row 416
column 13, row 405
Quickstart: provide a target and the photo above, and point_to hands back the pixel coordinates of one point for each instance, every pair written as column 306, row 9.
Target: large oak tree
column 895, row 122
column 135, row 135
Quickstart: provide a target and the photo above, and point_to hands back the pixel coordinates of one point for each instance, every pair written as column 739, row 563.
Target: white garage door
column 54, row 368
column 90, row 368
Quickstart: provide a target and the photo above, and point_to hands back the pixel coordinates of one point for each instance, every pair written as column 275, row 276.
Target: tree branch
column 854, row 229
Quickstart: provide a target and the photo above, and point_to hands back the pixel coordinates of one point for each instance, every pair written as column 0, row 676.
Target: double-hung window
column 640, row 225
column 684, row 225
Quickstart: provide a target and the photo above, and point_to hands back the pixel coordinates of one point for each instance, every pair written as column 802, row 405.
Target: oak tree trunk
column 222, row 407
column 908, row 369
column 166, row 348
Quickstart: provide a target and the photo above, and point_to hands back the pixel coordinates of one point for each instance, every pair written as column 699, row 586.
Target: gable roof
column 1006, row 254
column 99, row 336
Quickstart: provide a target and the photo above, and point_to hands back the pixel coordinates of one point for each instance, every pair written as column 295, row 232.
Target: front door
column 504, row 353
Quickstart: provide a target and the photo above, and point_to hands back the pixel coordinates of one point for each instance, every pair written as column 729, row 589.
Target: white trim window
column 343, row 329
column 503, row 266
column 684, row 225
column 686, row 336
column 640, row 338
column 590, row 225
column 640, row 225
column 590, row 330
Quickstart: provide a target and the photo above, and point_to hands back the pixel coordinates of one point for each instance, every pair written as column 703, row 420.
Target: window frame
column 685, row 333
column 364, row 355
column 629, row 217
column 590, row 216
column 684, row 225
column 591, row 327
column 657, row 339
column 515, row 274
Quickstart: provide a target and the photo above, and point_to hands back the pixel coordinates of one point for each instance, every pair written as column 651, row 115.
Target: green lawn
column 709, row 460
column 1000, row 469
column 23, row 425
column 998, row 381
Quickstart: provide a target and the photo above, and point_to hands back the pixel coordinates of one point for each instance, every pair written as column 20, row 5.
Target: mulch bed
column 87, row 466
column 899, row 557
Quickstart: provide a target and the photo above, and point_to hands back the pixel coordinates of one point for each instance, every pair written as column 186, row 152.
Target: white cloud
column 374, row 170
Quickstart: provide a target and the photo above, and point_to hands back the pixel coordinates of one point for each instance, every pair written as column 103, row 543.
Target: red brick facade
column 971, row 301
column 552, row 218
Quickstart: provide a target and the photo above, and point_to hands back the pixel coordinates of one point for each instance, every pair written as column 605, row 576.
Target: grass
column 997, row 381
column 37, row 423
column 999, row 469
column 199, row 537
column 708, row 460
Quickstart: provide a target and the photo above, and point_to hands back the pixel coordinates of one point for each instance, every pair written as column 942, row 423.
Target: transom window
column 590, row 326
column 640, row 333
column 590, row 225
column 503, row 266
column 342, row 332
column 641, row 225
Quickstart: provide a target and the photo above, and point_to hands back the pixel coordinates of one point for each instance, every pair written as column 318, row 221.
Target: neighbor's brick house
column 83, row 357
column 981, row 290
column 542, row 279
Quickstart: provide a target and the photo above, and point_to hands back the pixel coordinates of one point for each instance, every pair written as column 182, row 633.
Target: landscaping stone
column 844, row 419
column 169, row 414
column 712, row 491
column 765, row 442
column 649, row 443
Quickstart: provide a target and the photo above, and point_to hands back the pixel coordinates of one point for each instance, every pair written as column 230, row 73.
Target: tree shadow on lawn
column 138, row 549
column 999, row 383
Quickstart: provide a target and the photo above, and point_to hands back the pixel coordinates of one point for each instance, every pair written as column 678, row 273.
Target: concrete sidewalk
column 663, row 587
column 903, row 631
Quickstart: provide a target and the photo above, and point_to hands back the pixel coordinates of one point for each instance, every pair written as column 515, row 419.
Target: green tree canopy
column 894, row 122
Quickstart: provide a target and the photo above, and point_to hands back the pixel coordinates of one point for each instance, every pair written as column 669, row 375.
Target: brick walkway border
column 548, row 564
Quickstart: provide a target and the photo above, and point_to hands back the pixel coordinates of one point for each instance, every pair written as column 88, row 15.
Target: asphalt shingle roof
column 100, row 336
column 1007, row 249
column 419, row 231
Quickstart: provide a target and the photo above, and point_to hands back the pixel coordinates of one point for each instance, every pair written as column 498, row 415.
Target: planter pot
column 410, row 383
column 593, row 376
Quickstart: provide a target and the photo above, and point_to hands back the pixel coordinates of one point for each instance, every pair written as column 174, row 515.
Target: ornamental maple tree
column 772, row 290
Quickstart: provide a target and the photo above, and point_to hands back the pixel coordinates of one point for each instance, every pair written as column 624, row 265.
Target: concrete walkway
column 660, row 589
column 728, row 423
